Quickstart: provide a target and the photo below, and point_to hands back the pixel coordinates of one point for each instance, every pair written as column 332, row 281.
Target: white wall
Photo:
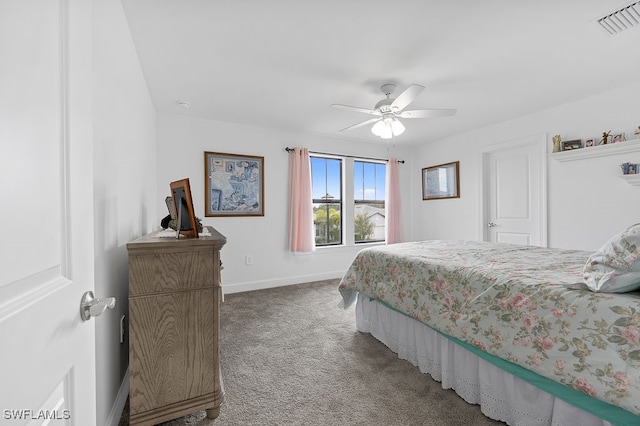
column 182, row 142
column 587, row 201
column 124, row 189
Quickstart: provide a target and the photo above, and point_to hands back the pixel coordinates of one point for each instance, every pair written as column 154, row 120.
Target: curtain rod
column 349, row 156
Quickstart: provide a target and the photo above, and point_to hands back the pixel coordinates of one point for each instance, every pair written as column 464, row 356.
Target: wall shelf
column 632, row 179
column 598, row 151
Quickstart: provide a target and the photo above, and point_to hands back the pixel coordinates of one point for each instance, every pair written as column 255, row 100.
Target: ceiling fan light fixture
column 387, row 111
column 378, row 128
column 388, row 128
column 387, row 133
column 397, row 127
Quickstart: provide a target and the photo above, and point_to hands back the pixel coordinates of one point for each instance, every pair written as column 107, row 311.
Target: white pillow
column 615, row 267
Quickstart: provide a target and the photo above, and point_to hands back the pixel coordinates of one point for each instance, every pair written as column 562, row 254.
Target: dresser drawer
column 165, row 272
column 172, row 349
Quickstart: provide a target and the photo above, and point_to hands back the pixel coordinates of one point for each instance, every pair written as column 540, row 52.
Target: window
column 364, row 222
column 368, row 197
column 326, row 186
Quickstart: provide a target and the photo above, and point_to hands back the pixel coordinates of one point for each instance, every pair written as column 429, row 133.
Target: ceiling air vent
column 622, row 19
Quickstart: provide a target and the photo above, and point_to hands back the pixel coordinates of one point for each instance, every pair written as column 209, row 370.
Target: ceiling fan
column 389, row 110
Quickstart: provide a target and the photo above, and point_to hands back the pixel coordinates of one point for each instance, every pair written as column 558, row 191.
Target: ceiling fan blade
column 427, row 113
column 406, row 97
column 357, row 109
column 364, row 123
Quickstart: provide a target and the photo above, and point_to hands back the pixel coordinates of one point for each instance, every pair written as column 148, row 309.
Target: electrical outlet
column 122, row 330
column 248, row 260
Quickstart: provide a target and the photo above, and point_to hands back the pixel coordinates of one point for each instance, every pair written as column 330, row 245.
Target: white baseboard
column 279, row 282
column 121, row 400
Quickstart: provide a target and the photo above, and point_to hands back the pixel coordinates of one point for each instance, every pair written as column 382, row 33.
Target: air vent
column 622, row 19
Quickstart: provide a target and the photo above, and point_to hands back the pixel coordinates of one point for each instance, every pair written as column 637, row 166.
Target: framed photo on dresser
column 183, row 206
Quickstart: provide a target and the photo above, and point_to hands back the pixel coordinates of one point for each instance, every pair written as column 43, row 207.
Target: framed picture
column 589, row 142
column 630, row 168
column 441, row 181
column 234, row 184
column 619, row 137
column 573, row 144
column 183, row 207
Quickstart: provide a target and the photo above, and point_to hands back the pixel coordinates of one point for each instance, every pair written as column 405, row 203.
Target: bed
column 525, row 332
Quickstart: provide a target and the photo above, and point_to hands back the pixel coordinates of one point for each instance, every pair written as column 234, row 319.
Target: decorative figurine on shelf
column 556, row 143
column 605, row 136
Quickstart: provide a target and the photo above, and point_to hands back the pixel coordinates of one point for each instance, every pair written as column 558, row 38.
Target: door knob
column 91, row 306
column 491, row 224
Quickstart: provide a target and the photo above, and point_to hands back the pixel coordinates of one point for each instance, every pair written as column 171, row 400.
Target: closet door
column 514, row 193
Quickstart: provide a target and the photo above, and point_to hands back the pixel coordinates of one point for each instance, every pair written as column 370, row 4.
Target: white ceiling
column 282, row 63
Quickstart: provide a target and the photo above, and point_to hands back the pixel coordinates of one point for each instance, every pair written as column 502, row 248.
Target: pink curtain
column 393, row 225
column 301, row 231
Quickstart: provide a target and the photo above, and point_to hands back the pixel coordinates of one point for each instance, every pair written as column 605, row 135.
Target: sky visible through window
column 325, row 177
column 369, row 179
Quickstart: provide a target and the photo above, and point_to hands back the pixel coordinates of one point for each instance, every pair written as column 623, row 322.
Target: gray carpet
column 290, row 356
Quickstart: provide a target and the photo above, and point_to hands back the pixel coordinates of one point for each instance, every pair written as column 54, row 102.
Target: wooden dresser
column 174, row 312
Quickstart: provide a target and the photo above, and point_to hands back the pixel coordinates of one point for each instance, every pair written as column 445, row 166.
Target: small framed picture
column 186, row 223
column 570, row 145
column 441, row 181
column 618, row 137
column 589, row 142
column 630, row 168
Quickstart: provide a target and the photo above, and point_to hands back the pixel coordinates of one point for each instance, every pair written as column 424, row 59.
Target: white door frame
column 537, row 140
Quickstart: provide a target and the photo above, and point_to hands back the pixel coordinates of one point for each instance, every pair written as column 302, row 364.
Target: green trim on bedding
column 608, row 412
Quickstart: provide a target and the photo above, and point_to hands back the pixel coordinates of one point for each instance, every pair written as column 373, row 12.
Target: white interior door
column 47, row 354
column 515, row 192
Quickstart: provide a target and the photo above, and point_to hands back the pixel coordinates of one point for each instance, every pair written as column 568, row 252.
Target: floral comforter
column 513, row 302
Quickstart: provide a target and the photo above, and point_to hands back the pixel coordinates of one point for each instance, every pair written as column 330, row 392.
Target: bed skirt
column 500, row 394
